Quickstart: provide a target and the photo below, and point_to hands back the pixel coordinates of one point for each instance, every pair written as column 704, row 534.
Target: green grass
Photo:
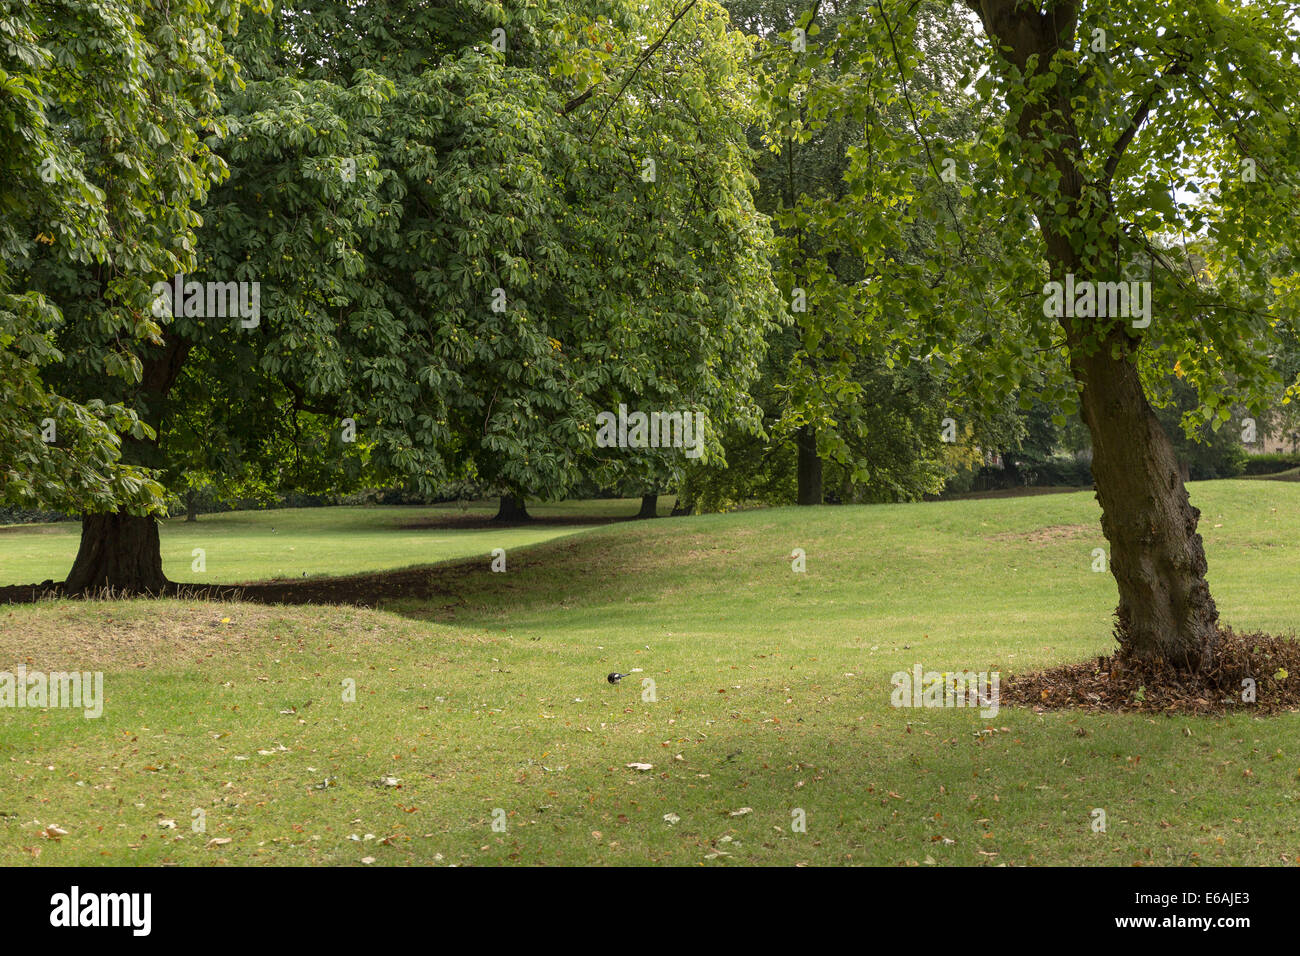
column 772, row 694
column 1291, row 474
column 285, row 543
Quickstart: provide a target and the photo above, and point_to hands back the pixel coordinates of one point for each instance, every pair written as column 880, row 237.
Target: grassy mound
column 768, row 729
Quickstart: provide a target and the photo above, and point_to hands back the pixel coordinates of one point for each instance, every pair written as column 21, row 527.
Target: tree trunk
column 1010, row 472
column 119, row 551
column 810, row 467
column 1165, row 609
column 649, row 506
column 191, row 506
column 512, row 508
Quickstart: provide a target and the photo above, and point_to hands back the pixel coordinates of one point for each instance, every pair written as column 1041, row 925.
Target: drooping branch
column 646, row 54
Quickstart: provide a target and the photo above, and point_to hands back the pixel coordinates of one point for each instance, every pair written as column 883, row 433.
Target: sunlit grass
column 772, row 696
column 291, row 542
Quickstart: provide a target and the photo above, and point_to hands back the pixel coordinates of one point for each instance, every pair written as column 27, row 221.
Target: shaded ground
column 362, row 590
column 1291, row 474
column 1267, row 665
column 281, row 544
column 469, row 521
column 1045, row 535
column 1019, row 491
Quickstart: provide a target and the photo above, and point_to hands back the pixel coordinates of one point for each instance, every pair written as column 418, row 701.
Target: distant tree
column 1203, row 451
column 852, row 417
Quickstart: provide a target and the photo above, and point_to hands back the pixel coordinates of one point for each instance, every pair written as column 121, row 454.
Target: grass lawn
column 773, row 697
column 286, row 543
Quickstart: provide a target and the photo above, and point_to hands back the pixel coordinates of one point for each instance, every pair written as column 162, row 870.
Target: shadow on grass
column 434, row 583
column 363, row 590
column 550, row 567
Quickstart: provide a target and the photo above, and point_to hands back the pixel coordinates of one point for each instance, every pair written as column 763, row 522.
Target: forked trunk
column 512, row 508
column 649, row 506
column 119, row 551
column 811, row 491
column 1165, row 609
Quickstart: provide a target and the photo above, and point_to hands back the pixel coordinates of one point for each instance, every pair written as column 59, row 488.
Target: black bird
column 615, row 677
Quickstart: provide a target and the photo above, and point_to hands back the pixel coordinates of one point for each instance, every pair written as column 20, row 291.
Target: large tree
column 102, row 108
column 857, row 425
column 1117, row 126
column 474, row 228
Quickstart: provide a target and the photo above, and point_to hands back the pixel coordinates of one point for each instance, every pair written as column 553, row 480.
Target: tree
column 860, row 426
column 458, row 255
column 1098, row 189
column 1105, row 115
column 1204, row 452
column 95, row 135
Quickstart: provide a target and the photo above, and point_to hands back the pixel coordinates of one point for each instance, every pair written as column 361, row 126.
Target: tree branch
column 645, row 55
column 1135, row 124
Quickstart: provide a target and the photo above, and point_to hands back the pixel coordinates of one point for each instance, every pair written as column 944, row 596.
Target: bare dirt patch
column 364, row 590
column 110, row 635
column 1056, row 532
column 98, row 636
column 1120, row 684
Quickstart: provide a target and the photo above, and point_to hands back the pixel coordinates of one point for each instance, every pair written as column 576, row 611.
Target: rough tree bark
column 811, row 490
column 119, row 551
column 512, row 508
column 649, row 506
column 1157, row 558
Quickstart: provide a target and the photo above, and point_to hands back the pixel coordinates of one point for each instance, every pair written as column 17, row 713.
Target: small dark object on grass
column 615, row 677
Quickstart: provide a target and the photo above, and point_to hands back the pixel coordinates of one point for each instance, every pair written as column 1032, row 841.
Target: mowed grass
column 772, row 702
column 290, row 542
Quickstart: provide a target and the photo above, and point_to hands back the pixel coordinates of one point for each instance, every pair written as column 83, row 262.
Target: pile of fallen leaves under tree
column 1121, row 683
